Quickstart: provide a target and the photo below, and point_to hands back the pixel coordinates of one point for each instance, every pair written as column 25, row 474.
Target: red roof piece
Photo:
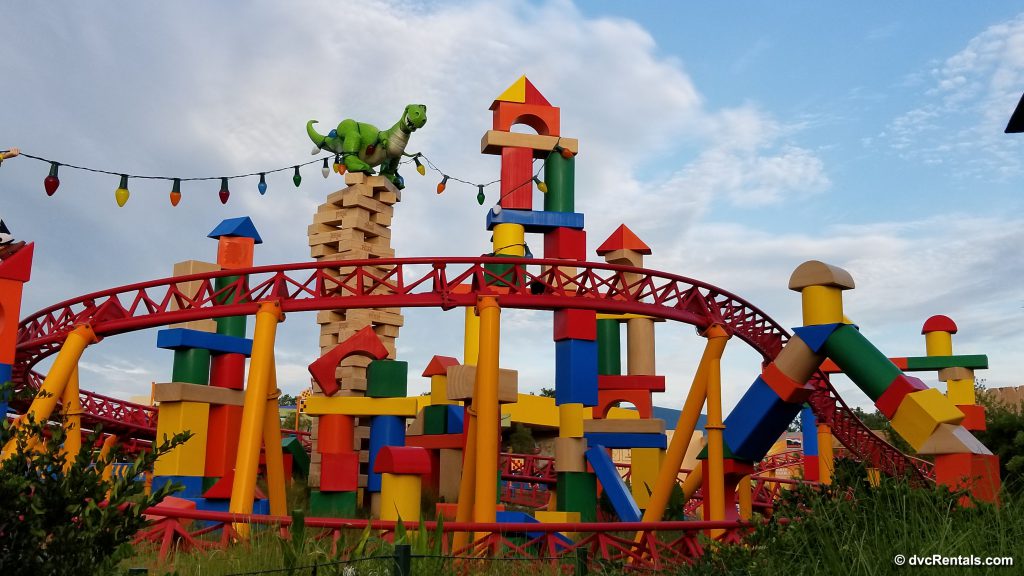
column 438, row 365
column 623, row 239
column 939, row 323
column 402, row 460
column 18, row 266
column 533, row 96
column 363, row 343
column 221, row 489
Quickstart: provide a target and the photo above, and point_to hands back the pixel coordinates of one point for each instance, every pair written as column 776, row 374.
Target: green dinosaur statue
column 362, row 146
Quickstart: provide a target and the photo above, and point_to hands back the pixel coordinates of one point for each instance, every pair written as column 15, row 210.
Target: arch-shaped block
column 546, row 120
column 639, row 398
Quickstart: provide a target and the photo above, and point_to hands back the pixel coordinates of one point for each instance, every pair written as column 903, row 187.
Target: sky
column 737, row 139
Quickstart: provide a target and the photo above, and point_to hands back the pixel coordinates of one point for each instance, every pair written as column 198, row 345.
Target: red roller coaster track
column 425, row 282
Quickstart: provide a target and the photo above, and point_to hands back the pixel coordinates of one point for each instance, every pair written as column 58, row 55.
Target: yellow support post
column 261, row 367
column 715, row 500
column 667, row 476
column 826, row 456
column 488, row 412
column 71, row 405
column 272, row 448
column 745, row 498
column 56, row 380
column 471, row 339
column 108, row 445
column 464, row 509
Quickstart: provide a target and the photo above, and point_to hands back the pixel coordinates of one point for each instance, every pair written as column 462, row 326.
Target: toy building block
column 576, row 372
column 192, row 486
column 227, row 371
column 570, row 420
column 640, row 346
column 631, row 382
column 614, row 487
column 535, row 221
column 644, row 465
column 437, row 371
column 575, row 324
column 622, row 426
column 418, row 425
column 787, row 389
column 820, row 286
column 757, row 421
column 364, row 343
column 361, row 406
column 438, row 366
column 558, row 517
column 893, row 396
column 920, row 414
column 449, row 474
column 435, row 420
column 181, row 338
column 569, row 454
column 955, row 373
column 623, row 239
column 387, row 379
column 455, row 420
column 816, row 335
column 292, row 445
column 191, row 366
column 190, row 290
column 809, row 431
column 811, row 470
column 952, row 439
column 516, row 171
column 339, row 472
column 861, row 361
column 241, row 227
column 462, row 378
column 639, row 398
column 626, row 440
column 577, row 492
column 332, row 504
column 609, row 348
column 974, row 416
column 543, row 118
column 797, row 361
column 938, row 335
column 335, row 433
column 437, row 441
column 384, row 431
column 402, row 470
column 185, row 392
column 977, row 473
column 924, row 363
column 567, row 243
column 189, row 458
column 961, row 391
column 494, row 141
column 222, row 439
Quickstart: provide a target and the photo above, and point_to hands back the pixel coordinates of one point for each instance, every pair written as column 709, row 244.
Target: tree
column 547, row 392
column 521, row 440
column 1004, row 436
column 286, row 400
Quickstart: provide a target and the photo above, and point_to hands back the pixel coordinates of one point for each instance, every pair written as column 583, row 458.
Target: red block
column 228, row 371
column 438, row 441
column 902, row 385
column 362, row 343
column 811, row 467
column 575, row 324
column 639, row 398
column 334, row 434
column 567, row 243
column 438, row 366
column 516, row 178
column 222, row 439
column 974, row 416
column 543, row 118
column 402, row 460
column 977, row 473
column 221, row 489
column 788, row 389
column 339, row 472
column 631, row 382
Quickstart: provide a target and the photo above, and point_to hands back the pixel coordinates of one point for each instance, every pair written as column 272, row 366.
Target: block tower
column 15, row 270
column 354, row 224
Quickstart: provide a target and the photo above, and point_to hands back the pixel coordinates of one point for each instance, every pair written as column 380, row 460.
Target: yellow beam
column 467, row 485
column 471, row 339
column 361, row 406
column 826, row 456
column 71, row 405
column 488, row 412
column 714, row 503
column 743, row 494
column 272, row 448
column 108, row 445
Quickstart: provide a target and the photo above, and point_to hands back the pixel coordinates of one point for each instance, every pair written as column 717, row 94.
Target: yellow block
column 920, row 414
column 822, row 305
column 644, row 466
column 938, row 344
column 471, row 339
column 558, row 517
column 516, row 92
column 533, row 410
column 616, row 413
column 361, row 406
column 188, row 459
column 961, row 392
column 570, row 420
column 509, row 240
column 439, row 390
column 400, row 496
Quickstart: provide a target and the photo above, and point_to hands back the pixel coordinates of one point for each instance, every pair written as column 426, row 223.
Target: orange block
column 222, row 439
column 235, row 252
column 974, row 416
column 639, row 398
column 977, row 473
column 334, row 434
column 10, row 312
column 788, row 389
column 546, row 120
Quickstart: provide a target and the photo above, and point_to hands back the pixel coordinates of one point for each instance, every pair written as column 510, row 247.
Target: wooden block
column 961, row 391
column 952, row 439
column 184, row 392
column 417, row 426
column 816, row 273
column 614, row 425
column 920, row 414
column 947, row 374
column 569, row 454
column 461, row 379
column 450, row 474
column 797, row 361
column 190, row 289
column 361, row 406
column 625, row 258
column 494, row 140
column 640, row 346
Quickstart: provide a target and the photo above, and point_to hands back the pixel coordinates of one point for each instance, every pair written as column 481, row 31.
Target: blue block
column 622, row 501
column 757, row 421
column 260, row 506
column 193, row 485
column 384, row 431
column 5, row 395
column 576, row 372
column 536, row 221
column 241, row 227
column 626, row 440
column 809, row 427
column 510, row 517
column 815, row 336
column 455, row 419
column 183, row 339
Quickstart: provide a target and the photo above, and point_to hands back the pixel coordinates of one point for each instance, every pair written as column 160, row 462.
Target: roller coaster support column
column 716, row 447
column 56, row 380
column 667, row 476
column 71, row 406
column 745, row 498
column 471, row 342
column 826, row 456
column 488, row 412
column 261, row 369
column 108, row 445
column 272, row 448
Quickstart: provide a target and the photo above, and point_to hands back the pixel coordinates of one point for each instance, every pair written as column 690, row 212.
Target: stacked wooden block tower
column 353, row 224
column 205, row 395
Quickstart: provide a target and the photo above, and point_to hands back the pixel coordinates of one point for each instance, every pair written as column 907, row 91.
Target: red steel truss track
column 425, row 282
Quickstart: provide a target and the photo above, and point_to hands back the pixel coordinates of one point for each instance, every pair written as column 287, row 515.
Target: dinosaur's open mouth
column 409, row 126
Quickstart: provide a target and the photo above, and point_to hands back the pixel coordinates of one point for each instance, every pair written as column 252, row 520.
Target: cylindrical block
column 609, row 348
column 400, row 497
column 570, row 420
column 384, row 431
column 227, row 371
column 334, row 434
column 509, row 240
column 471, row 338
column 826, row 457
column 938, row 343
column 869, row 369
column 569, row 454
column 797, row 361
column 191, row 365
column 640, row 346
column 231, row 325
column 560, row 177
column 516, row 175
column 822, row 305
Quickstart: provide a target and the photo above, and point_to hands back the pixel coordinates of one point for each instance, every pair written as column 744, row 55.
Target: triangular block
column 18, row 266
column 438, row 366
column 952, row 439
column 533, row 96
column 815, row 336
column 240, row 227
column 221, row 489
column 522, row 91
column 623, row 239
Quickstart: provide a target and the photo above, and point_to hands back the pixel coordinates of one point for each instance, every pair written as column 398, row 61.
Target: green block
column 609, row 348
column 577, row 492
column 191, row 365
column 387, row 379
column 496, row 272
column 300, row 460
column 869, row 369
column 208, row 482
column 333, row 504
column 435, row 419
column 231, row 325
column 560, row 177
column 971, row 361
column 726, row 453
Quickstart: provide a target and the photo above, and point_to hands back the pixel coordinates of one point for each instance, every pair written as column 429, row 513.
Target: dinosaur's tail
column 317, row 138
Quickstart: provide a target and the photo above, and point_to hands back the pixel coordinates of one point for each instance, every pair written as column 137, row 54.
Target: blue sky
column 737, row 139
